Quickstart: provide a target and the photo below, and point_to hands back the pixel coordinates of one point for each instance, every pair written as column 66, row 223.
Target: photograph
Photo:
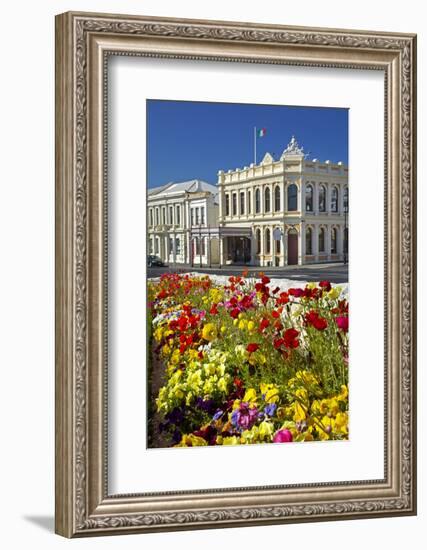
column 247, row 274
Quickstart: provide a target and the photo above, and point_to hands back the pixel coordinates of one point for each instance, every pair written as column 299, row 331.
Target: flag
column 261, row 132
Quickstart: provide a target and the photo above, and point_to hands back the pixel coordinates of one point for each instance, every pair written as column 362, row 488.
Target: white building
column 183, row 223
column 284, row 212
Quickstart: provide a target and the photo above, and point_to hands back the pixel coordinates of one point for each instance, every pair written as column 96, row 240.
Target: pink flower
column 282, row 436
column 342, row 323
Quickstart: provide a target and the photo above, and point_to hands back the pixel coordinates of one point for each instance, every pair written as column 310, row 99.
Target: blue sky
column 193, row 140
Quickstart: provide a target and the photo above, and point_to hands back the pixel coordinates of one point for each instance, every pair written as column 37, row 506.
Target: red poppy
column 252, row 347
column 291, row 338
column 278, row 342
column 235, row 312
column 314, row 319
column 283, row 298
column 265, row 280
column 238, row 382
column 214, row 309
column 264, row 324
column 275, row 314
column 296, row 292
column 326, row 285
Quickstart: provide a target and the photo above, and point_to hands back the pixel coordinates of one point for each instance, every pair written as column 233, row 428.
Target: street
column 335, row 273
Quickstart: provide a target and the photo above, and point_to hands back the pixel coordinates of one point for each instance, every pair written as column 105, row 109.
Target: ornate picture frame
column 84, row 42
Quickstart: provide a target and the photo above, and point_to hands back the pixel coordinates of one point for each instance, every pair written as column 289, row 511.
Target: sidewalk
column 252, row 268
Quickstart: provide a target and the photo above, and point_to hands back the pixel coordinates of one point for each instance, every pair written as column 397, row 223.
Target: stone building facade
column 180, row 216
column 284, row 212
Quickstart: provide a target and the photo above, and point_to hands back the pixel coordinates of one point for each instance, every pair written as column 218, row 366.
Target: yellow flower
column 299, row 413
column 222, row 385
column 341, row 423
column 270, row 393
column 343, row 395
column 266, row 429
column 334, row 292
column 250, row 396
column 242, row 324
column 251, row 326
column 192, row 440
column 233, row 440
column 223, row 329
column 209, row 332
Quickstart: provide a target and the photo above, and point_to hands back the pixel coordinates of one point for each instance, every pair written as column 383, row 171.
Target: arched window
column 292, row 197
column 333, row 240
column 249, row 203
column 277, row 245
column 267, row 205
column 309, row 198
column 322, row 198
column 321, row 239
column 308, row 241
column 277, row 199
column 334, row 199
column 257, row 202
column 227, row 205
column 345, row 201
column 258, row 241
column 234, row 203
column 267, row 241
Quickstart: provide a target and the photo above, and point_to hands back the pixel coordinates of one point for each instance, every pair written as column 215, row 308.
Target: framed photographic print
column 235, row 274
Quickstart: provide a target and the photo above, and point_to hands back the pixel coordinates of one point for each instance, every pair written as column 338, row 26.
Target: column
column 174, row 248
column 328, row 242
column 340, row 199
column 221, row 198
column 316, row 198
column 301, row 197
column 262, row 247
column 301, row 244
column 283, row 249
column 316, row 242
column 283, row 196
column 328, row 198
column 253, row 246
column 166, row 247
column 340, row 243
column 221, row 251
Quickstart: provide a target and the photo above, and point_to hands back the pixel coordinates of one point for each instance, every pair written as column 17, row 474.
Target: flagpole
column 255, row 145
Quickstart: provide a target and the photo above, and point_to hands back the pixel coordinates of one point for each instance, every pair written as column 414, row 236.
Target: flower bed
column 246, row 362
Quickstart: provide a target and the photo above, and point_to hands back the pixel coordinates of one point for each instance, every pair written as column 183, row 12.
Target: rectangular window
column 170, row 246
column 203, row 246
column 242, row 203
column 197, row 216
column 177, row 246
column 156, row 245
column 178, row 215
column 234, row 199
column 192, row 216
column 171, row 215
column 157, row 217
column 227, row 205
column 164, row 215
column 249, row 202
column 202, row 215
column 151, row 216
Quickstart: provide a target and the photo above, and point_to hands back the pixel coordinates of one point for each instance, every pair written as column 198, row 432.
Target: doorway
column 292, row 247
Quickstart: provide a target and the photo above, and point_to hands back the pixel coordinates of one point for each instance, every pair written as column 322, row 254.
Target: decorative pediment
column 268, row 159
column 293, row 149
